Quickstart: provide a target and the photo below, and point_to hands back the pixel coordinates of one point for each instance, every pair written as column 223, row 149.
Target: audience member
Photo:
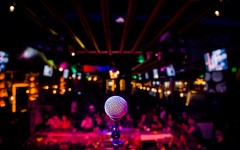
column 87, row 123
column 127, row 121
column 194, row 129
column 169, row 121
column 144, row 123
column 155, row 123
column 108, row 123
column 194, row 134
column 65, row 123
column 163, row 112
column 183, row 117
column 219, row 142
column 98, row 122
column 53, row 122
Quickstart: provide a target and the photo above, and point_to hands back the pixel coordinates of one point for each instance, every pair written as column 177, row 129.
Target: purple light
column 164, row 36
column 163, row 68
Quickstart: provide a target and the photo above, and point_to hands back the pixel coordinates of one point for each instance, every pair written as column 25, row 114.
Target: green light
column 87, row 76
column 234, row 69
column 134, row 77
column 140, row 58
column 73, row 69
column 202, row 76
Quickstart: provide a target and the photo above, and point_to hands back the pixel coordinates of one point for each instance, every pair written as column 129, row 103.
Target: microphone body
column 116, row 107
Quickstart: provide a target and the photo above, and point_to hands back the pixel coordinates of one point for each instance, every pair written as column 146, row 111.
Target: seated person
column 155, row 123
column 194, row 133
column 98, row 122
column 127, row 121
column 87, row 123
column 107, row 122
column 65, row 123
column 169, row 121
column 53, row 122
column 144, row 123
column 193, row 129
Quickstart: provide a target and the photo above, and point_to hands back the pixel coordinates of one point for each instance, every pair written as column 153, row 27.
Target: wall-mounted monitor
column 3, row 60
column 146, row 75
column 216, row 60
column 140, row 76
column 65, row 73
column 170, row 71
column 48, row 71
column 155, row 73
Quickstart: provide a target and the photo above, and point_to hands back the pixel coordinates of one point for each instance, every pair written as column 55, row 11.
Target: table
column 156, row 136
column 98, row 139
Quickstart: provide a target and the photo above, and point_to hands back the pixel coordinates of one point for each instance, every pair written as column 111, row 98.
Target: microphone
column 116, row 107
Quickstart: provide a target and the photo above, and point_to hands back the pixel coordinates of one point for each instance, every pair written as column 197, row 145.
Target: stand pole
column 115, row 136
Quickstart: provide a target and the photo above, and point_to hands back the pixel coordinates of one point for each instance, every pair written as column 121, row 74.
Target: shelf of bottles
column 62, row 86
column 3, row 89
column 33, row 91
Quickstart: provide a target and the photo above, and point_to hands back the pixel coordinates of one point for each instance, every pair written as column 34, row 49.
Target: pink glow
column 63, row 65
column 163, row 68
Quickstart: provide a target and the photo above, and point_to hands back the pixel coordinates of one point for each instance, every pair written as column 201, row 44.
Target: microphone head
column 115, row 107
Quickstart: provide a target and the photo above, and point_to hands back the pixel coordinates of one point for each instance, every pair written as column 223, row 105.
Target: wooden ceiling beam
column 80, row 12
column 177, row 15
column 106, row 24
column 55, row 14
column 157, row 8
column 130, row 13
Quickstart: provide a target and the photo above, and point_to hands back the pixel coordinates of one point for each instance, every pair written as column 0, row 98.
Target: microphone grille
column 115, row 107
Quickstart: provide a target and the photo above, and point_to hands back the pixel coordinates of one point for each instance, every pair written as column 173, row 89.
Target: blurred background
column 65, row 57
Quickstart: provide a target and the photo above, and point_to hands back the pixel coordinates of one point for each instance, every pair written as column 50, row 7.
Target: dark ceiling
column 180, row 30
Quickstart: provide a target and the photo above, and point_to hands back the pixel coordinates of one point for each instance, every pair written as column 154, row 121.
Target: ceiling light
column 12, row 8
column 217, row 13
column 120, row 20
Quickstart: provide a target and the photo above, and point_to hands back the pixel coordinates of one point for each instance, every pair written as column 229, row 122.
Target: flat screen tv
column 155, row 73
column 3, row 60
column 216, row 60
column 47, row 71
column 170, row 71
column 140, row 76
column 146, row 75
column 65, row 73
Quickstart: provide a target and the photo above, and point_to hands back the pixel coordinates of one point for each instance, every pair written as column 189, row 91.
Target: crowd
column 183, row 125
column 153, row 115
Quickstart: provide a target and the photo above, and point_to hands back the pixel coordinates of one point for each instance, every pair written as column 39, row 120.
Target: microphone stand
column 115, row 136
